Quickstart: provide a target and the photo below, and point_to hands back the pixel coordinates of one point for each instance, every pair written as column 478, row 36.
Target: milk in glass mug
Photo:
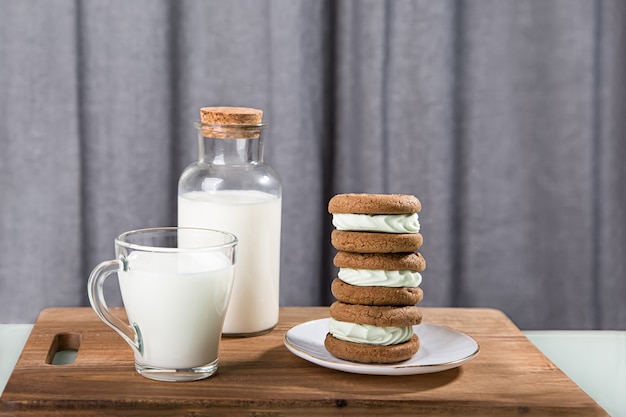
column 176, row 285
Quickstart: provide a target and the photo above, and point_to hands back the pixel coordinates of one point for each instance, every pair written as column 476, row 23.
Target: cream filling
column 387, row 223
column 380, row 278
column 368, row 334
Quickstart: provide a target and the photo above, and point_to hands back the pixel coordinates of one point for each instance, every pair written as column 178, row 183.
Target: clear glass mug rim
column 120, row 240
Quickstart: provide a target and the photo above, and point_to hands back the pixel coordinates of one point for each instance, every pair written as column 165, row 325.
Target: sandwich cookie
column 375, row 223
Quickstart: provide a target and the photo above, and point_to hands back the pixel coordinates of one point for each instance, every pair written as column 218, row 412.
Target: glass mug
column 176, row 285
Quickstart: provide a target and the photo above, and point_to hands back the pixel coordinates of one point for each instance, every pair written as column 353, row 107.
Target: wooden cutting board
column 260, row 377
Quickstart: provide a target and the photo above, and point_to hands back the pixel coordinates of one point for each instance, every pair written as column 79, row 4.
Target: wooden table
column 259, row 377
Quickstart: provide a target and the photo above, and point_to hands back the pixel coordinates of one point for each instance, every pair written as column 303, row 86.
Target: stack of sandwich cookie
column 377, row 236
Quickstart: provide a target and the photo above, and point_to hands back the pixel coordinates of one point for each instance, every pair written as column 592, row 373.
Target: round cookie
column 372, row 242
column 381, row 316
column 359, row 352
column 375, row 296
column 374, row 204
column 388, row 261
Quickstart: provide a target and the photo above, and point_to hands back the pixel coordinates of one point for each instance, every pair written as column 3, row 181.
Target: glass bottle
column 230, row 188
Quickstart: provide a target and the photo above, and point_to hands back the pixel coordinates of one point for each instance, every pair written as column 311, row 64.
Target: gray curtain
column 506, row 119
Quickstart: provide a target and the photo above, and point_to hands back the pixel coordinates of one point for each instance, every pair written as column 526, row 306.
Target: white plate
column 441, row 348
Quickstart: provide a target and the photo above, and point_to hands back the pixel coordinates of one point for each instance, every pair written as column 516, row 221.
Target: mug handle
column 96, row 297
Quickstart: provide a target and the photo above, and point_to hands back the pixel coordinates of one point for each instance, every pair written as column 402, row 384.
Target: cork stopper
column 231, row 122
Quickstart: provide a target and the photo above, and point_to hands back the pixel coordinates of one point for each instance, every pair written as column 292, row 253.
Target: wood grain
column 260, row 377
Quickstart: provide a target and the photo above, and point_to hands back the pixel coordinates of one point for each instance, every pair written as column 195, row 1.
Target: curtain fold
column 528, row 183
column 503, row 117
column 610, row 170
column 40, row 188
column 126, row 129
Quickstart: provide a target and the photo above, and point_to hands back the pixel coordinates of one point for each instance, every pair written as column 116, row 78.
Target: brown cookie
column 374, row 204
column 359, row 352
column 381, row 316
column 372, row 242
column 388, row 262
column 375, row 296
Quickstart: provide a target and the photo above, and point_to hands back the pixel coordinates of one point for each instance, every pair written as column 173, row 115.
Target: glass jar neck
column 215, row 151
column 230, row 144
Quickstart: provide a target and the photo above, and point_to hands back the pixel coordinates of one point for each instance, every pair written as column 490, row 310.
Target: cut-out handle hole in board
column 63, row 349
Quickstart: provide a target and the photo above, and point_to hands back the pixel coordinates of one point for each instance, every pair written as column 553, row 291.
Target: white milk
column 177, row 300
column 254, row 217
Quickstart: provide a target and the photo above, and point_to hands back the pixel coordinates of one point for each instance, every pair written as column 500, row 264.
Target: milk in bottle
column 231, row 188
